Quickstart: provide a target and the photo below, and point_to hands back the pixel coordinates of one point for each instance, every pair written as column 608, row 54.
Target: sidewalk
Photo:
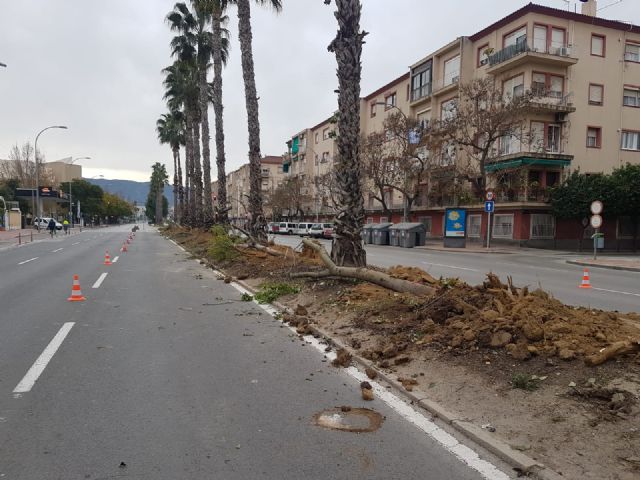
column 630, row 263
column 9, row 238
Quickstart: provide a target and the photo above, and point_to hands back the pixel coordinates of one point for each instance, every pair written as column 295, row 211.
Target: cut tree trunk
column 361, row 273
column 348, row 249
column 218, row 109
column 207, row 205
column 197, row 175
column 612, row 351
column 257, row 224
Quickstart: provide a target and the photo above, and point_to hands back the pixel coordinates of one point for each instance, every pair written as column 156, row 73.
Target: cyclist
column 51, row 226
column 65, row 225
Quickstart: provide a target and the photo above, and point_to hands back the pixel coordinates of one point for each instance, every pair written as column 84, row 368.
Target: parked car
column 287, row 228
column 317, row 229
column 273, row 227
column 328, row 232
column 43, row 223
column 303, row 229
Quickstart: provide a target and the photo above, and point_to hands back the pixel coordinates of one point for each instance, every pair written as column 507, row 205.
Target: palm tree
column 347, row 248
column 158, row 181
column 170, row 129
column 258, row 222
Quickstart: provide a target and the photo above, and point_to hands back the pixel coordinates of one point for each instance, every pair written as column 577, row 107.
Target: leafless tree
column 22, row 167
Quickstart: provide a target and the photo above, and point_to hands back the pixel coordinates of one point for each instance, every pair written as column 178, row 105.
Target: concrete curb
column 464, row 250
column 597, row 265
column 521, row 463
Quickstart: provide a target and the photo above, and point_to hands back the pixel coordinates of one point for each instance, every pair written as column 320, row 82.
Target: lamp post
column 70, row 197
column 35, row 154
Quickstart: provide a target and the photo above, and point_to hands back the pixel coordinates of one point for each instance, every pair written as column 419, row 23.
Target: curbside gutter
column 598, row 265
column 520, row 462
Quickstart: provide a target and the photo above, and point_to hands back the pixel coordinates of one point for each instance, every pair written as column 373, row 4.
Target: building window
column 547, row 39
column 547, row 85
column 373, row 109
column 384, row 219
column 421, row 82
column 632, row 52
column 598, row 45
column 426, row 221
column 448, row 109
column 630, row 140
column 516, row 37
column 390, row 101
column 423, row 119
column 325, row 157
column 483, row 56
column 594, row 135
column 514, row 87
column 475, row 225
column 325, row 134
column 631, row 97
column 317, row 137
column 369, row 219
column 543, row 225
column 503, row 226
column 316, row 159
column 451, row 71
column 596, row 94
column 509, row 144
column 545, row 137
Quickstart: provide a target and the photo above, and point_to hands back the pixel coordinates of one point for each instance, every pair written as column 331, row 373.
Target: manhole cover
column 348, row 419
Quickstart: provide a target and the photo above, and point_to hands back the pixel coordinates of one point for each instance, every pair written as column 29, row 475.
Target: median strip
column 26, row 384
column 100, row 280
column 27, row 261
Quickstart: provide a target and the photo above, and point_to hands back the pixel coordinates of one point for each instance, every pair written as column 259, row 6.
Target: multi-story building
column 271, row 172
column 585, row 74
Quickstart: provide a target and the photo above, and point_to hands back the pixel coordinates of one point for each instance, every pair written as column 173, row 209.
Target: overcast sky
column 95, row 66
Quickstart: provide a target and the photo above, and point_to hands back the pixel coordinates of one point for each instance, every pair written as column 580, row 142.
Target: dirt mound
column 412, row 274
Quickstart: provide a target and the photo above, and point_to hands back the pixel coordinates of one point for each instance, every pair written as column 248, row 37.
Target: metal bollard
column 19, row 239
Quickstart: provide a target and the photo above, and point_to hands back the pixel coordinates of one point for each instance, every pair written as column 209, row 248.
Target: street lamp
column 71, row 162
column 39, row 216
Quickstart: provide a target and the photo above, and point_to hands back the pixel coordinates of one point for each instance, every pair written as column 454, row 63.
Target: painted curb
column 608, row 267
column 517, row 460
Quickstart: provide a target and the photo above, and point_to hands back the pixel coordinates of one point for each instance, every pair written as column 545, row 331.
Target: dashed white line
column 58, row 250
column 617, row 291
column 451, row 266
column 26, row 384
column 115, row 259
column 27, row 261
column 100, row 280
column 77, row 243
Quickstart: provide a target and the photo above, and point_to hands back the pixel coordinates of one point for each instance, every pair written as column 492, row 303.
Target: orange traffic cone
column 124, row 248
column 585, row 279
column 76, row 293
column 107, row 258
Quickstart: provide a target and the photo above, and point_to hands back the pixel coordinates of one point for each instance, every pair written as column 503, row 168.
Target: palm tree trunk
column 218, row 108
column 175, row 185
column 180, row 188
column 188, row 205
column 257, row 220
column 347, row 248
column 207, row 207
column 197, row 171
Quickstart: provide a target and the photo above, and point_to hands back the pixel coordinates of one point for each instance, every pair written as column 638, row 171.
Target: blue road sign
column 489, row 206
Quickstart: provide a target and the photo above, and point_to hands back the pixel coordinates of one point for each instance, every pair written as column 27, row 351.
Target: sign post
column 489, row 207
column 596, row 223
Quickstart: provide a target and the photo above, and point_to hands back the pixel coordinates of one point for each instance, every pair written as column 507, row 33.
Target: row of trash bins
column 407, row 235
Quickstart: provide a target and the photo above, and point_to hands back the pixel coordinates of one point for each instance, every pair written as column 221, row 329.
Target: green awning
column 525, row 161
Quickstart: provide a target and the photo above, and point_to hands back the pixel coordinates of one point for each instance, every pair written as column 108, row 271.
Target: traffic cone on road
column 586, row 283
column 76, row 293
column 124, row 247
column 107, row 258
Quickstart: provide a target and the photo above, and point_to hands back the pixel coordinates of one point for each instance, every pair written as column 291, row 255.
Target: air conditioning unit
column 563, row 51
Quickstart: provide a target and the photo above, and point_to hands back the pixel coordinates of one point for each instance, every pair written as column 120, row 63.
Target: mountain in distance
column 130, row 190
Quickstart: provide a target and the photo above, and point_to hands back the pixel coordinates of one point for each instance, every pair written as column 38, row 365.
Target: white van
column 303, row 229
column 287, row 228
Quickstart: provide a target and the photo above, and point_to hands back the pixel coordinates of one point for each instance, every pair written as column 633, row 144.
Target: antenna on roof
column 610, row 5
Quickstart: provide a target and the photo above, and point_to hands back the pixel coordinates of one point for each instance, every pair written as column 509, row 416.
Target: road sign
column 596, row 207
column 489, row 195
column 489, row 206
column 596, row 221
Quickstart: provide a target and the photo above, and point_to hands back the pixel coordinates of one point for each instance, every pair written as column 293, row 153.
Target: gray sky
column 94, row 65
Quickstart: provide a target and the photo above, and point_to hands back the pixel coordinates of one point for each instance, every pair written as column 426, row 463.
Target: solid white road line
column 420, row 421
column 100, row 280
column 451, row 266
column 115, row 259
column 617, row 291
column 58, row 250
column 26, row 384
column 27, row 261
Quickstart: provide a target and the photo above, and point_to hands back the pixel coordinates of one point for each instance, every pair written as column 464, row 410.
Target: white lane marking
column 26, row 384
column 27, row 261
column 100, row 280
column 115, row 259
column 77, row 243
column 451, row 266
column 617, row 291
column 446, row 440
column 58, row 250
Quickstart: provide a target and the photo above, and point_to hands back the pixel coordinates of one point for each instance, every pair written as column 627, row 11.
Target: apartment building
column 585, row 73
column 238, row 184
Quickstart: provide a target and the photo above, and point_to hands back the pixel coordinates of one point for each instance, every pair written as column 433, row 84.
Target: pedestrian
column 65, row 225
column 51, row 226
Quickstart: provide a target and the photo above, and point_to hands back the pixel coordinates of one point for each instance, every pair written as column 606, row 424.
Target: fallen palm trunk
column 372, row 276
column 612, row 351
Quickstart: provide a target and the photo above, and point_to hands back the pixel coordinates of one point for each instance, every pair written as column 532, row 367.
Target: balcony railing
column 519, row 48
column 421, row 92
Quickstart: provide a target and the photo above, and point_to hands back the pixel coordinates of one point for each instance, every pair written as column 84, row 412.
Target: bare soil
column 507, row 359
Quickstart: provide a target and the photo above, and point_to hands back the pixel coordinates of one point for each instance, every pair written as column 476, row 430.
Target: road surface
column 163, row 373
column 612, row 289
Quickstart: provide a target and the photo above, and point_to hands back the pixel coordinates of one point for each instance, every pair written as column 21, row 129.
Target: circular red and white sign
column 489, row 195
column 596, row 207
column 596, row 221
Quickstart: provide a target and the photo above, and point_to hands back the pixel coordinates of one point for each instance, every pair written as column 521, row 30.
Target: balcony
column 516, row 55
column 524, row 159
column 447, row 85
column 421, row 92
column 545, row 101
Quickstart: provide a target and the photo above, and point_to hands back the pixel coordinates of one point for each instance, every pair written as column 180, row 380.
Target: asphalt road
column 612, row 289
column 163, row 373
